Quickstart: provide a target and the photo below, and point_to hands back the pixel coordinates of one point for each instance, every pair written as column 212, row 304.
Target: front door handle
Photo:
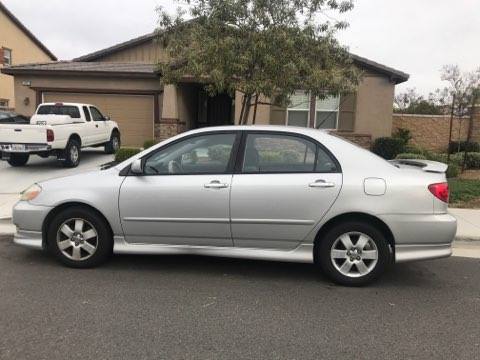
column 96, row 125
column 321, row 184
column 215, row 184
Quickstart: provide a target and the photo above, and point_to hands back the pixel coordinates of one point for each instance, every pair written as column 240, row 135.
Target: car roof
column 64, row 104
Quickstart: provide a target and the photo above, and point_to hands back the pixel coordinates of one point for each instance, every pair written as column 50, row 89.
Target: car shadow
column 88, row 156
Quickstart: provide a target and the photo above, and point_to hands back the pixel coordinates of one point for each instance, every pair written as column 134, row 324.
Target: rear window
column 71, row 111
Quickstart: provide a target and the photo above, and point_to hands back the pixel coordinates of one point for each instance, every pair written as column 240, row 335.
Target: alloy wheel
column 354, row 254
column 77, row 239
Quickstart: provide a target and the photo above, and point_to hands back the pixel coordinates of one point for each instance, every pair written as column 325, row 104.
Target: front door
column 285, row 186
column 183, row 196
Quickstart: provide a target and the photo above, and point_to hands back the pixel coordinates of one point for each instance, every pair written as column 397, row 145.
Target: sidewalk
column 468, row 223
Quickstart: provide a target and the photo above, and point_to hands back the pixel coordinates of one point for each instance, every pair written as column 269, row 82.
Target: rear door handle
column 96, row 125
column 215, row 184
column 321, row 184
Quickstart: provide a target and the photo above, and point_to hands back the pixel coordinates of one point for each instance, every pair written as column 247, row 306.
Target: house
column 17, row 46
column 122, row 81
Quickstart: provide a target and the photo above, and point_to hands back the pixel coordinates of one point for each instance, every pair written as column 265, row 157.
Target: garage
column 133, row 113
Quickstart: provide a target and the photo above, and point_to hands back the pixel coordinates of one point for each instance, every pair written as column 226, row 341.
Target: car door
column 283, row 186
column 183, row 196
column 88, row 132
column 100, row 127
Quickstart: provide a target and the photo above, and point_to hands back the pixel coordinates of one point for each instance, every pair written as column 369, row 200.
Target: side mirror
column 136, row 167
column 106, row 118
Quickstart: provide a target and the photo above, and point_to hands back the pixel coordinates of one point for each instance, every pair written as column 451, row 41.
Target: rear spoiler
column 425, row 165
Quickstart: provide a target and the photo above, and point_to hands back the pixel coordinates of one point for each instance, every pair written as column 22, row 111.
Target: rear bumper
column 15, row 148
column 422, row 236
column 404, row 253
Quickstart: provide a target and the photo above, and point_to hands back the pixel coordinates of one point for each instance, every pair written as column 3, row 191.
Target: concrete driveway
column 14, row 180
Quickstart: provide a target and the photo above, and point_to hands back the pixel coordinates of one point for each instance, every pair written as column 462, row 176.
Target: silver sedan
column 262, row 192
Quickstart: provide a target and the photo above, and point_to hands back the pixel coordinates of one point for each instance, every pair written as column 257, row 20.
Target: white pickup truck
column 57, row 129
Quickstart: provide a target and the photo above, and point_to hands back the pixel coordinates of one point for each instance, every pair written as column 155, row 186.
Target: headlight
column 31, row 193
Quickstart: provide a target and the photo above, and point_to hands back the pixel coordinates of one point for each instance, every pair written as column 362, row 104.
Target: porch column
column 169, row 120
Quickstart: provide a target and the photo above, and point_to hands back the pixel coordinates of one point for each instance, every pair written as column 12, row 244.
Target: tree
column 462, row 93
column 265, row 49
column 410, row 102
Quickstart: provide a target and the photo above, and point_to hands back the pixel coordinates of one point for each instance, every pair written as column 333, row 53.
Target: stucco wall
column 26, row 96
column 24, row 51
column 374, row 106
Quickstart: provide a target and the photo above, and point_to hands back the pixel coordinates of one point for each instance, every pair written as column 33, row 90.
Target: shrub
column 124, row 153
column 453, row 170
column 290, row 157
column 403, row 134
column 473, row 160
column 149, row 143
column 411, row 156
column 461, row 146
column 413, row 149
column 387, row 147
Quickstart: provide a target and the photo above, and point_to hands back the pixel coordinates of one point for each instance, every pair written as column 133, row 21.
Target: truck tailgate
column 22, row 134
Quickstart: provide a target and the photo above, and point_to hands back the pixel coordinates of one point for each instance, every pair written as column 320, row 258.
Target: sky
column 414, row 36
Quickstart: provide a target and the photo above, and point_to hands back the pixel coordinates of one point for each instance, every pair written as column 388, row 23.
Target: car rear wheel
column 353, row 253
column 18, row 159
column 114, row 144
column 72, row 154
column 79, row 238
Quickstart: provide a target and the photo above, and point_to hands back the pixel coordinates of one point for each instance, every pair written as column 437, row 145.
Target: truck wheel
column 72, row 154
column 18, row 159
column 114, row 144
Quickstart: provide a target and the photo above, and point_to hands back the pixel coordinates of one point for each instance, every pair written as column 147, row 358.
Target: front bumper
column 29, row 220
column 29, row 239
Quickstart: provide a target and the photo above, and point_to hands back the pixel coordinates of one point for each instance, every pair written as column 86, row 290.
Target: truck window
column 87, row 113
column 71, row 111
column 96, row 114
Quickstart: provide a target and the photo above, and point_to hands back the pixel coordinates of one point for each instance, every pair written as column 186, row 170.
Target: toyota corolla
column 262, row 192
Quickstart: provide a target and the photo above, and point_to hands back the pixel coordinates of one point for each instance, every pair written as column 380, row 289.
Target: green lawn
column 463, row 191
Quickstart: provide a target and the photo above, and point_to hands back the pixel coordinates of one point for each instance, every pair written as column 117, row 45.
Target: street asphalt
column 167, row 307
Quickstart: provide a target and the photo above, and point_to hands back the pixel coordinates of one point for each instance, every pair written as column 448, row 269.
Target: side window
column 96, row 114
column 272, row 153
column 87, row 113
column 205, row 154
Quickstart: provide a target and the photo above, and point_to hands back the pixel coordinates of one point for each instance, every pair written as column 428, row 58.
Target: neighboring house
column 17, row 46
column 122, row 81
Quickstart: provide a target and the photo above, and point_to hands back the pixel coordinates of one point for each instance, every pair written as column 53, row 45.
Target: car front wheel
column 79, row 238
column 114, row 144
column 353, row 253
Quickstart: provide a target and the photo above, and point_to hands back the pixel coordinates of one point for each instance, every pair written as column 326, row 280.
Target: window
column 96, row 114
column 326, row 111
column 71, row 111
column 7, row 56
column 275, row 153
column 3, row 103
column 205, row 154
column 87, row 113
column 266, row 153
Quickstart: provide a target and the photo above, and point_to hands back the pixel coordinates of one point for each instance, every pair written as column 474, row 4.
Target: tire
column 72, row 148
column 114, row 144
column 350, row 263
column 18, row 159
column 79, row 238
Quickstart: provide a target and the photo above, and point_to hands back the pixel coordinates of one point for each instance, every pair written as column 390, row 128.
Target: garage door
column 134, row 114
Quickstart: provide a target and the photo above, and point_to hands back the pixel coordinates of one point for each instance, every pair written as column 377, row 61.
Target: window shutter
column 346, row 117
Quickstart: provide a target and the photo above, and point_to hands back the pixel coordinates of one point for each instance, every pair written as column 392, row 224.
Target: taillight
column 50, row 135
column 440, row 191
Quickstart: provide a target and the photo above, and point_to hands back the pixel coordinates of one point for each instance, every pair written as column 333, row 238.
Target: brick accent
column 363, row 140
column 431, row 132
column 168, row 128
